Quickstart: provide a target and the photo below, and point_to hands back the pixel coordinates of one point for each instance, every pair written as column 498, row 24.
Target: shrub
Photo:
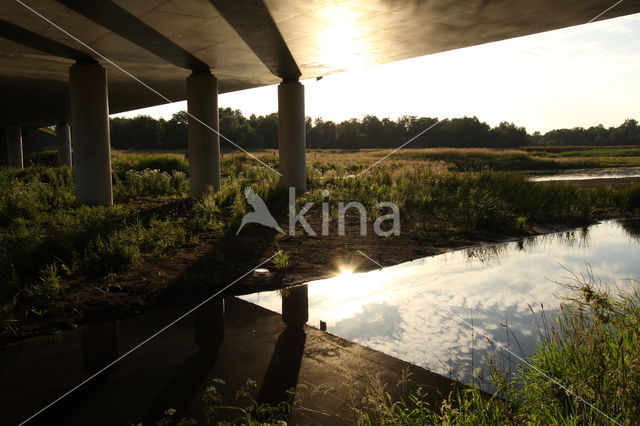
column 281, row 260
column 150, row 182
column 42, row 158
column 163, row 163
column 633, row 197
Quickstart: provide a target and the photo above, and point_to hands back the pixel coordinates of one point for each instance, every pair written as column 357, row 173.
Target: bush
column 633, row 197
column 163, row 163
column 42, row 158
column 150, row 182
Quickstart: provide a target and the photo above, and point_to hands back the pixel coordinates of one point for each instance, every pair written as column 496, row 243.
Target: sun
column 345, row 271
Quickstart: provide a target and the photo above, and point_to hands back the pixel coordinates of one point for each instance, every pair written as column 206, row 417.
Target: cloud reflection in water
column 400, row 310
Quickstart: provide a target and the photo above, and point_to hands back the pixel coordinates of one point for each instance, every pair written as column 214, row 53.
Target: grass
column 477, row 159
column 162, row 162
column 281, row 260
column 631, row 151
column 591, row 349
column 476, row 200
column 592, row 345
column 621, row 156
column 46, row 240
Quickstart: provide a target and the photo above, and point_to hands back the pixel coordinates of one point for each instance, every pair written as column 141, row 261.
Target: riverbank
column 64, row 266
column 187, row 275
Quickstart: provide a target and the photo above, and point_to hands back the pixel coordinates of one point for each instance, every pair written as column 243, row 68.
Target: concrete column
column 292, row 135
column 63, row 133
column 91, row 143
column 204, row 143
column 14, row 146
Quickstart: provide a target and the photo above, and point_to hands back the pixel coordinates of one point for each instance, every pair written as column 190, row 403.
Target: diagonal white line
column 610, row 7
column 400, row 147
column 499, row 345
column 146, row 85
column 190, row 311
column 370, row 259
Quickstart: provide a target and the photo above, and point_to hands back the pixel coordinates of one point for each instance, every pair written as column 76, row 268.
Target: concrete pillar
column 292, row 135
column 91, row 143
column 63, row 133
column 204, row 143
column 14, row 146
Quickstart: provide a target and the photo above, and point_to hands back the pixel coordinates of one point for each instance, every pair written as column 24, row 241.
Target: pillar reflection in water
column 180, row 392
column 209, row 324
column 295, row 306
column 281, row 377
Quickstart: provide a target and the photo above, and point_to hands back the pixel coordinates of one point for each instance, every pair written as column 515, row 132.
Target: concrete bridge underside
column 59, row 61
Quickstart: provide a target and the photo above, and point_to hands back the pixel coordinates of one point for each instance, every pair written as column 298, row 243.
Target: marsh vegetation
column 49, row 248
column 47, row 241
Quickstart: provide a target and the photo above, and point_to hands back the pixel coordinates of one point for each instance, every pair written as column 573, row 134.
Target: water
column 422, row 311
column 418, row 311
column 584, row 174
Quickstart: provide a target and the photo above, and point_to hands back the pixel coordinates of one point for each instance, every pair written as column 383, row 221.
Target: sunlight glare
column 340, row 39
column 345, row 271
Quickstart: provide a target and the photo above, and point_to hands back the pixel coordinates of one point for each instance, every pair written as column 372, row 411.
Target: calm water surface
column 421, row 311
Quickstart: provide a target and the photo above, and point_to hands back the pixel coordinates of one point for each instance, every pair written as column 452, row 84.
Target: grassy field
column 46, row 239
column 48, row 245
column 477, row 159
column 612, row 156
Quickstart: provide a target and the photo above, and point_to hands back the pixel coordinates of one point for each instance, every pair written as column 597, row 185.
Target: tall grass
column 162, row 162
column 585, row 371
column 42, row 231
column 45, row 238
column 152, row 182
column 476, row 200
column 592, row 348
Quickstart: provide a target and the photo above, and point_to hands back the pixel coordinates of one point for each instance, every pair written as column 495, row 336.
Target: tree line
column 261, row 132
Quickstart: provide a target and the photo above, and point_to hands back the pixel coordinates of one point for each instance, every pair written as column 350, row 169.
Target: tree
column 173, row 133
column 508, row 135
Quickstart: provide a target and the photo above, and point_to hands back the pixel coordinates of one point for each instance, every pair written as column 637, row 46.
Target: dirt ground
column 188, row 275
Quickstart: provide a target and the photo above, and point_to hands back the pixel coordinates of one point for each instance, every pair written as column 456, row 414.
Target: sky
column 579, row 76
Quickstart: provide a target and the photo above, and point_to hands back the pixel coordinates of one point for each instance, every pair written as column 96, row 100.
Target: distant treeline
column 260, row 132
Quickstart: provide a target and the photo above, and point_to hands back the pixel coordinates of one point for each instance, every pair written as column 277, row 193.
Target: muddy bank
column 186, row 276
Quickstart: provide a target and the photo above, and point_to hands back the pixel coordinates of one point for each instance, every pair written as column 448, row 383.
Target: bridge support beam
column 90, row 120
column 204, row 143
column 292, row 135
column 63, row 134
column 14, row 146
